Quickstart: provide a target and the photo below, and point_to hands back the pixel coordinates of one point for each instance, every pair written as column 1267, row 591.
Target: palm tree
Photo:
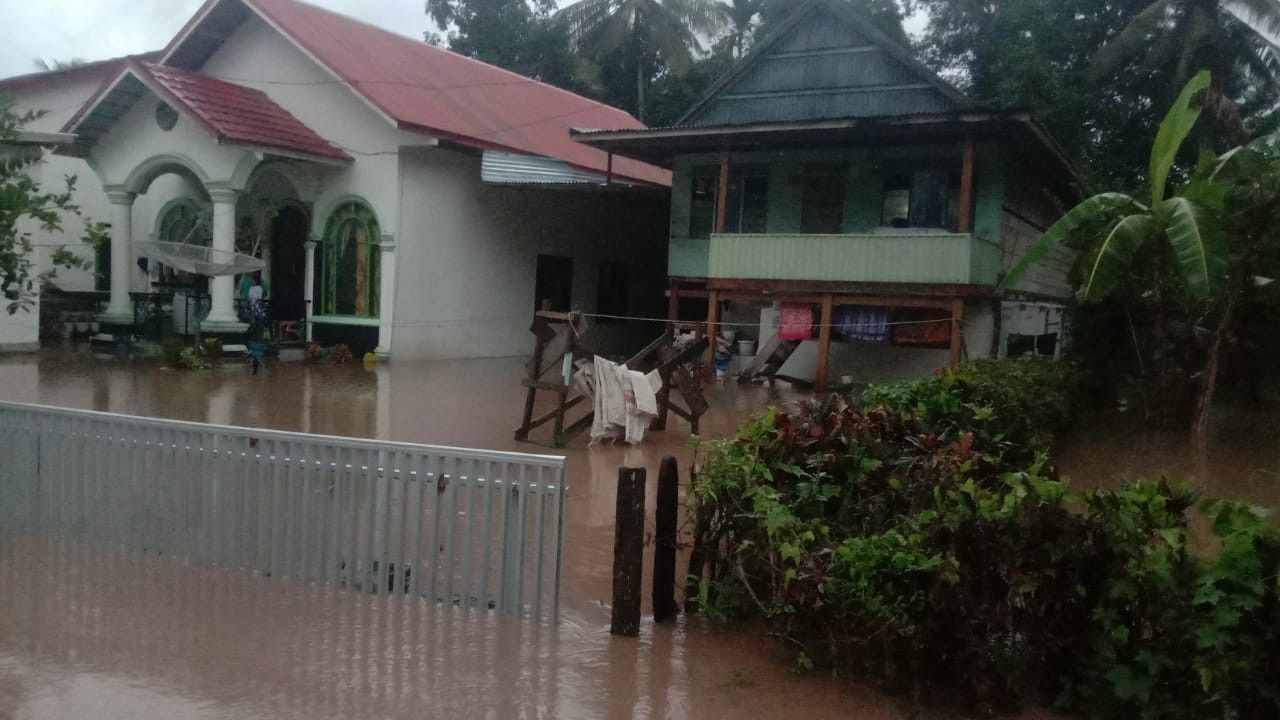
column 740, row 16
column 51, row 65
column 1230, row 38
column 648, row 31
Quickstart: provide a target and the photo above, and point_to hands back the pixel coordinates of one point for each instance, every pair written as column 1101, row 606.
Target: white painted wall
column 468, row 253
column 59, row 99
column 62, row 97
column 257, row 56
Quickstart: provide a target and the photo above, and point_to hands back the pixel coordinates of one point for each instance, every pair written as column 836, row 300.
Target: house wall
column 468, row 254
column 59, row 98
column 864, row 186
column 1028, row 211
column 258, row 56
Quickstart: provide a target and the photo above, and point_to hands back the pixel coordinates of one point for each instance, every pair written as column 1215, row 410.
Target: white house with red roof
column 401, row 197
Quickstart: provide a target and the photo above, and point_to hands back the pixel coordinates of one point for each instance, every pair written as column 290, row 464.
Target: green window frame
column 181, row 221
column 350, row 262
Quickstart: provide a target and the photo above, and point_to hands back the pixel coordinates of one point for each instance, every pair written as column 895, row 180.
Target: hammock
column 199, row 260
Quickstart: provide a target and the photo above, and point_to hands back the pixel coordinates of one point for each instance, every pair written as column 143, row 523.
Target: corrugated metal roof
column 825, row 62
column 427, row 89
column 100, row 70
column 504, row 168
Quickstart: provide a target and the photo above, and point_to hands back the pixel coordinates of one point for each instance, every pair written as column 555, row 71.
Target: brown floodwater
column 90, row 633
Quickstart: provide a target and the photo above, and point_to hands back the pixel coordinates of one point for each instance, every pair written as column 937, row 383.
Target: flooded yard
column 92, row 633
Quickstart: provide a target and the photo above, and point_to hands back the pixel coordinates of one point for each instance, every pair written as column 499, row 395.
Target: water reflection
column 90, row 633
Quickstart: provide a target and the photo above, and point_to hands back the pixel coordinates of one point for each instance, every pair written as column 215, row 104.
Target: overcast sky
column 101, row 29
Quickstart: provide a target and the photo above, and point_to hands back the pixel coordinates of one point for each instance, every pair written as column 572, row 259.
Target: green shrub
column 931, row 558
column 1024, row 400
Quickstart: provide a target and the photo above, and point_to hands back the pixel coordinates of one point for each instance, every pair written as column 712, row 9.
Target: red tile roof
column 239, row 114
column 426, row 89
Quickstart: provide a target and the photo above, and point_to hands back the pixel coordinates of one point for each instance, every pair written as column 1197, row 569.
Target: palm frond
column 584, row 18
column 1133, row 39
column 1263, row 16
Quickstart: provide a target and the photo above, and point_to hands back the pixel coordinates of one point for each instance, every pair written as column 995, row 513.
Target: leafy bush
column 1023, row 400
column 896, row 543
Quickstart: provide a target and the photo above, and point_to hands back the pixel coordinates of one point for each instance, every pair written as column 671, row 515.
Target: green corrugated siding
column 689, row 257
column 925, row 258
column 823, row 68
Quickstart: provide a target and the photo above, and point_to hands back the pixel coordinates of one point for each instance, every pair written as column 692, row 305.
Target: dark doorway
column 288, row 264
column 554, row 283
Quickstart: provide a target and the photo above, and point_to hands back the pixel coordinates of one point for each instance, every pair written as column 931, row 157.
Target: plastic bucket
column 747, row 347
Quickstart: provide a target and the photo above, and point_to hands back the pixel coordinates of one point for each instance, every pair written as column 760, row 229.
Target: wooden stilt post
column 713, row 329
column 824, row 346
column 666, row 518
column 964, row 220
column 722, row 194
column 628, row 552
column 957, row 330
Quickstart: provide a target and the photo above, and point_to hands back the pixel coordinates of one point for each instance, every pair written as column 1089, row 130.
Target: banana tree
column 1182, row 221
column 1179, row 233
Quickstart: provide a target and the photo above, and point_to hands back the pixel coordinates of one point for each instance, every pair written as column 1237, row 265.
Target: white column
column 386, row 294
column 120, row 309
column 309, row 287
column 222, row 311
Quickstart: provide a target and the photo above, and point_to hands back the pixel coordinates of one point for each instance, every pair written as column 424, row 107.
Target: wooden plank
column 722, row 196
column 864, row 293
column 957, row 331
column 628, row 553
column 563, row 437
column 824, row 346
column 550, row 415
column 666, row 520
column 522, row 433
column 713, row 318
column 689, row 390
column 964, row 223
column 549, row 387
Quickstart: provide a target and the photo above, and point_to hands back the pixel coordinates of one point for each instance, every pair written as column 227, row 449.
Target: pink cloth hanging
column 795, row 322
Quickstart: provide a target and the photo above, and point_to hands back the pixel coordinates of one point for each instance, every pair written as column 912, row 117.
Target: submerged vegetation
column 923, row 540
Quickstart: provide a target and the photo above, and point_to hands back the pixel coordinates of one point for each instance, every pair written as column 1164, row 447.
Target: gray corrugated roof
column 825, row 62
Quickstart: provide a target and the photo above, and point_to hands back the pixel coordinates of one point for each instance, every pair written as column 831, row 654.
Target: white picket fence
column 470, row 528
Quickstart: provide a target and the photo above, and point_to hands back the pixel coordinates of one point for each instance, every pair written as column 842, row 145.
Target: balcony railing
column 941, row 258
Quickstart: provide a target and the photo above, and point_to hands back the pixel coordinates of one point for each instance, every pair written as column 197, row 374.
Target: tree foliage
column 26, row 206
column 512, row 34
column 646, row 38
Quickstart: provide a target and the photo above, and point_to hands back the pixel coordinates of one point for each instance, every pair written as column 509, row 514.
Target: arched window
column 181, row 221
column 349, row 262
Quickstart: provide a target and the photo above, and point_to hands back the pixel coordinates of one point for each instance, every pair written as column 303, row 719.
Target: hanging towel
column 921, row 326
column 795, row 322
column 625, row 402
column 868, row 324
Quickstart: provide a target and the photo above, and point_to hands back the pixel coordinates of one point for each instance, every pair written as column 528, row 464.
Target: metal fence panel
column 471, row 528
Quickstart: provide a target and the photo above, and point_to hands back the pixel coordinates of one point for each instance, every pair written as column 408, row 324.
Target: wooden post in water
column 628, row 552
column 666, row 518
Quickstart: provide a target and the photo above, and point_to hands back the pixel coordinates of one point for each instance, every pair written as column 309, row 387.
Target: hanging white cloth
column 625, row 401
